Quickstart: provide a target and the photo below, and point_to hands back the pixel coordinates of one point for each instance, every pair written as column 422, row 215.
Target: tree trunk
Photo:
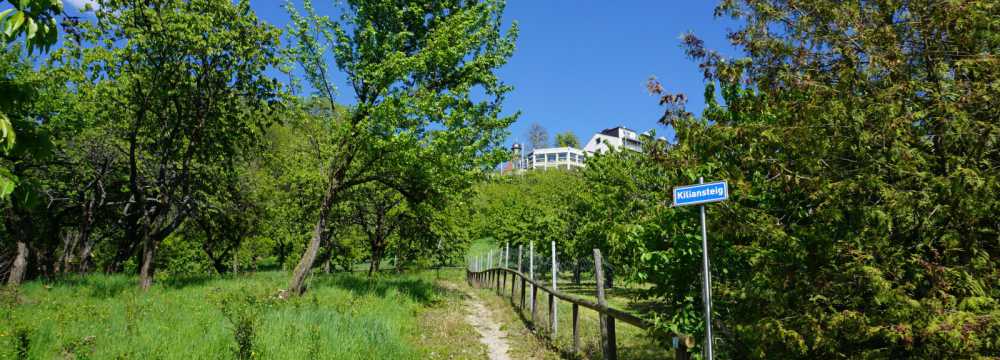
column 219, row 264
column 295, row 287
column 84, row 258
column 125, row 250
column 67, row 257
column 147, row 270
column 577, row 270
column 376, row 261
column 20, row 265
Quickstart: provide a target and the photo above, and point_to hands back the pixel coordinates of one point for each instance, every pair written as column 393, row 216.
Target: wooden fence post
column 506, row 255
column 498, row 273
column 534, row 288
column 608, row 343
column 520, row 268
column 501, row 275
column 506, row 264
column 513, row 281
column 553, row 309
column 576, row 328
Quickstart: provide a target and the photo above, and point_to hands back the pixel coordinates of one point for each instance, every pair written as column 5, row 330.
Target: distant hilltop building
column 616, row 137
column 570, row 157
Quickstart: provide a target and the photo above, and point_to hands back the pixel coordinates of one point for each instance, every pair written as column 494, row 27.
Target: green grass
column 342, row 316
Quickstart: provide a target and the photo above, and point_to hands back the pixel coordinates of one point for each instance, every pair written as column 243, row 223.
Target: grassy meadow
column 342, row 316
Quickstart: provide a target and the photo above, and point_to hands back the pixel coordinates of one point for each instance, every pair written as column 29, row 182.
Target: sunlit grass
column 342, row 316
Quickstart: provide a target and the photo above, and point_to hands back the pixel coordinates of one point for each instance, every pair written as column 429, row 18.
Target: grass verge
column 342, row 316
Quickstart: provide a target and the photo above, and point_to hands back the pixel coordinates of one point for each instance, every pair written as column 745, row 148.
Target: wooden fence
column 497, row 278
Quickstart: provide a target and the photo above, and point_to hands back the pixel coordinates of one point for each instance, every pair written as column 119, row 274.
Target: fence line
column 496, row 277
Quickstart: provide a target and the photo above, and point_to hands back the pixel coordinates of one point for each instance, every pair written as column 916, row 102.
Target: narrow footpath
column 480, row 317
column 489, row 330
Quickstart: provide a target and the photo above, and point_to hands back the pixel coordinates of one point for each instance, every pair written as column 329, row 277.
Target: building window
column 562, row 156
column 540, row 158
column 551, row 158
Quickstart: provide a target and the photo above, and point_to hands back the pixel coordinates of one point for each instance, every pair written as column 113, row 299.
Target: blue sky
column 582, row 65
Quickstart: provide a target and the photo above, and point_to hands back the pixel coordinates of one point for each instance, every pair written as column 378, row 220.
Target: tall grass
column 343, row 316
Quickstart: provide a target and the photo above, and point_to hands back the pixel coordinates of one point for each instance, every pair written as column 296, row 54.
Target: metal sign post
column 702, row 194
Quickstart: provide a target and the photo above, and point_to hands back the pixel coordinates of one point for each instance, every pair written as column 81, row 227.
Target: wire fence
column 574, row 280
column 537, row 262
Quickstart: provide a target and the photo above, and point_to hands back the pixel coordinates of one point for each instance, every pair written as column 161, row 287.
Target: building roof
column 614, row 131
column 555, row 149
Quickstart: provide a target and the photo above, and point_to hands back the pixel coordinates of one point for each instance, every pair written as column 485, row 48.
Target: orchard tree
column 291, row 173
column 413, row 67
column 183, row 87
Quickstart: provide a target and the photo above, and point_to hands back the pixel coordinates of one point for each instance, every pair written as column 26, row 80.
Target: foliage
column 416, row 127
column 872, row 234
column 35, row 19
column 534, row 206
column 567, row 139
column 192, row 101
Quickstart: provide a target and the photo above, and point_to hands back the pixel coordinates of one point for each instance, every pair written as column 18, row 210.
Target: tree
column 536, row 206
column 226, row 218
column 538, row 137
column 860, row 143
column 291, row 173
column 183, row 89
column 379, row 213
column 567, row 139
column 36, row 20
column 23, row 206
column 413, row 66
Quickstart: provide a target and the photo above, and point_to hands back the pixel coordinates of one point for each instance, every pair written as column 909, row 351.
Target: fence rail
column 497, row 278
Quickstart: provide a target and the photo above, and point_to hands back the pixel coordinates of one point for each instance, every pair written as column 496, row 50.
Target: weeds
column 243, row 309
column 22, row 342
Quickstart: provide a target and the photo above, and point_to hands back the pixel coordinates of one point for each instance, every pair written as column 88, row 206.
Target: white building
column 570, row 157
column 616, row 137
column 559, row 158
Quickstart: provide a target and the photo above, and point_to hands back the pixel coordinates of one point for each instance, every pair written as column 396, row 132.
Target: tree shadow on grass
column 98, row 286
column 421, row 291
column 183, row 281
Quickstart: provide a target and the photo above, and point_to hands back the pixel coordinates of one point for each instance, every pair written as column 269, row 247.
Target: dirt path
column 489, row 330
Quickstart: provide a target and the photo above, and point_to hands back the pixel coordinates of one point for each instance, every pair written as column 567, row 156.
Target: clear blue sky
column 582, row 65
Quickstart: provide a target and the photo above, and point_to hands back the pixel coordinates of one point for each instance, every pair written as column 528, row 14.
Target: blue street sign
column 701, row 193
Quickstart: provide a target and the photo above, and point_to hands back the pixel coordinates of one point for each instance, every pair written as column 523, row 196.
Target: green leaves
column 13, row 24
column 840, row 133
column 6, row 133
column 416, row 128
column 7, row 183
column 33, row 18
